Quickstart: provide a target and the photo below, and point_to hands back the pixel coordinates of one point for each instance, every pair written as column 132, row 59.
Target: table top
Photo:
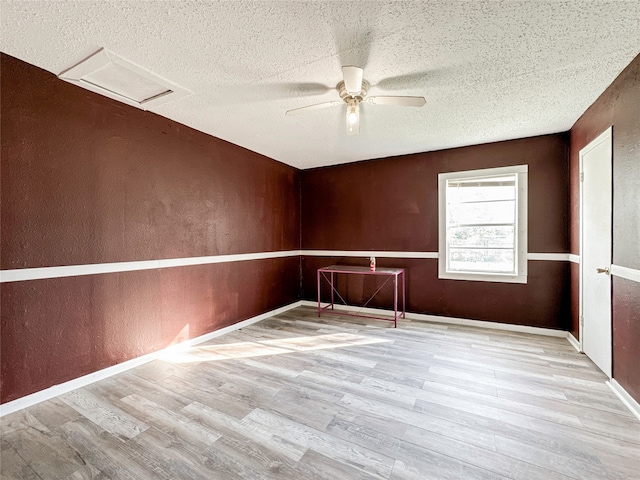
column 361, row 270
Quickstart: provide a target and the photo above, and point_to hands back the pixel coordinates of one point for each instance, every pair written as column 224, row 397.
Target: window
column 483, row 225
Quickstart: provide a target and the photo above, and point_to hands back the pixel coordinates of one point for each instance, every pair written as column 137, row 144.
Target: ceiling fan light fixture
column 352, row 114
column 353, row 117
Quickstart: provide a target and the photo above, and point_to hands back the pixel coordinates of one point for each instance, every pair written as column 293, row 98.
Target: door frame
column 606, row 134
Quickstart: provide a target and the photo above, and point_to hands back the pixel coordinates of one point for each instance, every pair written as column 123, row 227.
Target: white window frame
column 521, row 225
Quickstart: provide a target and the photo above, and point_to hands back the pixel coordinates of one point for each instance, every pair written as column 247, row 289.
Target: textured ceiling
column 489, row 70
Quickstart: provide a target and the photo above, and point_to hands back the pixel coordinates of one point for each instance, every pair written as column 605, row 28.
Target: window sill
column 483, row 277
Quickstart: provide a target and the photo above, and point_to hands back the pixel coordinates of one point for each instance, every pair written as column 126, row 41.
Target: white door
column 595, row 251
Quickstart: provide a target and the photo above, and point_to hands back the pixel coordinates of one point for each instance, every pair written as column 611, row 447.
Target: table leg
column 319, row 309
column 332, row 290
column 404, row 307
column 395, row 301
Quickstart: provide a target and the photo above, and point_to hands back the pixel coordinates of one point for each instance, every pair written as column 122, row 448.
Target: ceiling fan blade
column 352, row 79
column 402, row 101
column 317, row 106
column 353, row 119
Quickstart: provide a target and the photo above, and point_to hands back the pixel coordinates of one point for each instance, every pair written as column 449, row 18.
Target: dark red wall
column 86, row 179
column 392, row 204
column 619, row 106
column 58, row 329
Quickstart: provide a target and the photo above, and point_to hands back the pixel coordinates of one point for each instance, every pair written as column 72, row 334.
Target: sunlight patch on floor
column 208, row 353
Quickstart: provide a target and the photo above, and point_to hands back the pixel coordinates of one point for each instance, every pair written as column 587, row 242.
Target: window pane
column 481, row 260
column 482, row 192
column 483, row 213
column 481, row 219
column 482, row 236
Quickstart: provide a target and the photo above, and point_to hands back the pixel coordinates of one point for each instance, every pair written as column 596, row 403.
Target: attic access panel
column 110, row 75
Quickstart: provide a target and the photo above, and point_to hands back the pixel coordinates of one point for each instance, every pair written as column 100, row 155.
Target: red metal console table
column 328, row 273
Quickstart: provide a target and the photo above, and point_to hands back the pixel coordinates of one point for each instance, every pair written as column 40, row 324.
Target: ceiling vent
column 106, row 73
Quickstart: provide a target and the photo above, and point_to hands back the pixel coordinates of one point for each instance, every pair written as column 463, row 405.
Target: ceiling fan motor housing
column 346, row 96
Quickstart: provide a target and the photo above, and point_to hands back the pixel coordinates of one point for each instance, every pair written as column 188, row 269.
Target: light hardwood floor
column 297, row 397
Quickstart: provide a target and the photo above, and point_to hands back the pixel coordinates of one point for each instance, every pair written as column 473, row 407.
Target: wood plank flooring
column 301, row 397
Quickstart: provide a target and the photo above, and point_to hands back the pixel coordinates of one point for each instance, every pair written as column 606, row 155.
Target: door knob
column 603, row 270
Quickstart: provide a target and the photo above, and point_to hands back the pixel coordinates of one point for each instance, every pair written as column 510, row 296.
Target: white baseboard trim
column 627, row 399
column 450, row 320
column 79, row 382
column 574, row 343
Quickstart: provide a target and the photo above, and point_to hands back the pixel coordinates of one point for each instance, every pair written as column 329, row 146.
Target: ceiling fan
column 353, row 91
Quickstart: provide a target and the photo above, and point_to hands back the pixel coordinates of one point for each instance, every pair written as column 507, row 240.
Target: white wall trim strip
column 556, row 257
column 626, row 272
column 574, row 343
column 624, row 396
column 573, row 258
column 450, row 320
column 367, row 253
column 22, row 274
column 80, row 382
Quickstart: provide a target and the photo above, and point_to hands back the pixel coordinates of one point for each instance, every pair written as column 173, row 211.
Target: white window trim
column 521, row 239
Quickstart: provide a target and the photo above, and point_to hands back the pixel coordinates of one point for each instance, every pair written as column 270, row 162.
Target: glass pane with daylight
column 481, row 260
column 479, row 190
column 486, row 236
column 483, row 213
